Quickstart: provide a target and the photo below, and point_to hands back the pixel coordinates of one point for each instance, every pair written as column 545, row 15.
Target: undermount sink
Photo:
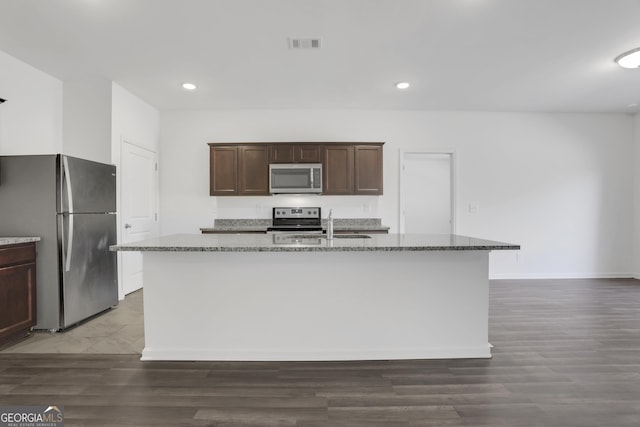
column 351, row 236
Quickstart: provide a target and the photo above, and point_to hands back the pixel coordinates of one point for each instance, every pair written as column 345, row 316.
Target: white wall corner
column 87, row 118
column 31, row 119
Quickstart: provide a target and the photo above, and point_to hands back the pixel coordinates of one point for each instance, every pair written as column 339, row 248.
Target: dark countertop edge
column 312, row 248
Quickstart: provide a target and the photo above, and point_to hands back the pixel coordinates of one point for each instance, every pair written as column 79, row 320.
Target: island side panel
column 315, row 305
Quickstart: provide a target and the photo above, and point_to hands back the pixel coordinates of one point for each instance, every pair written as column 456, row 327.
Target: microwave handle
column 311, row 176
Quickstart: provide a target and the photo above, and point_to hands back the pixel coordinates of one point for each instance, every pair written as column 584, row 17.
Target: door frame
column 120, row 220
column 453, row 184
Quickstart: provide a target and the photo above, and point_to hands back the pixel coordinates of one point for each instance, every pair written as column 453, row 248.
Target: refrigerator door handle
column 67, row 264
column 67, row 179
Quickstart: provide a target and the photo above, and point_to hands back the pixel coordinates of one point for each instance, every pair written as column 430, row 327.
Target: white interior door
column 427, row 193
column 139, row 189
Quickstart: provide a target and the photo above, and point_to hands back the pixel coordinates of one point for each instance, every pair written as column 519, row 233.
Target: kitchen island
column 303, row 297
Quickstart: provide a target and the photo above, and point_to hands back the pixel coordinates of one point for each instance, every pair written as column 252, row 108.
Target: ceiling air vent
column 305, row 43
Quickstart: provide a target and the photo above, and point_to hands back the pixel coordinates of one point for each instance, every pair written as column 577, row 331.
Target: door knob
column 128, row 226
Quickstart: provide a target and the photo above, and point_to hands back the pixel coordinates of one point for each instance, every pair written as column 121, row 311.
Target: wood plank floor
column 566, row 353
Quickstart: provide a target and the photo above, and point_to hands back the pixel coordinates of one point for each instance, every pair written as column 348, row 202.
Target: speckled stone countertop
column 260, row 225
column 238, row 225
column 311, row 243
column 4, row 241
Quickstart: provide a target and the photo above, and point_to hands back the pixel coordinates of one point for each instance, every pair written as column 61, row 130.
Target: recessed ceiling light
column 188, row 86
column 629, row 59
column 402, row 85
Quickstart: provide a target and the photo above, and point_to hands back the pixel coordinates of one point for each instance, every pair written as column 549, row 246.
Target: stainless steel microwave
column 295, row 178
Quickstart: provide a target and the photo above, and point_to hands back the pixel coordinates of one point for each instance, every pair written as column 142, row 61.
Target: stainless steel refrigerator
column 70, row 203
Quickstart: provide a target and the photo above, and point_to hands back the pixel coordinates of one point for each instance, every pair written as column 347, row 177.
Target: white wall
column 44, row 115
column 558, row 184
column 636, row 214
column 31, row 119
column 136, row 122
column 87, row 119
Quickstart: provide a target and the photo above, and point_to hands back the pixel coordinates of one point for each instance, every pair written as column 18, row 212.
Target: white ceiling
column 489, row 55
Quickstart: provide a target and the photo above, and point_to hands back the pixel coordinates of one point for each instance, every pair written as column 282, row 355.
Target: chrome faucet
column 329, row 226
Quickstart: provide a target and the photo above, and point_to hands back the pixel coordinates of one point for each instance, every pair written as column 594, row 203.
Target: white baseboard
column 318, row 354
column 542, row 276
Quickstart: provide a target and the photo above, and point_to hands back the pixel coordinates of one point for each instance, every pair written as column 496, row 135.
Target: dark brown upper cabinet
column 254, row 170
column 223, row 171
column 352, row 169
column 368, row 177
column 337, row 171
column 238, row 169
column 294, row 153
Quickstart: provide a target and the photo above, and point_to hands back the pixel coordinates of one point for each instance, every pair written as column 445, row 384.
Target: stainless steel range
column 296, row 220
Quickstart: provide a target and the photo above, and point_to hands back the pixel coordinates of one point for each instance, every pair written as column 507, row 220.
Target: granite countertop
column 312, row 243
column 260, row 225
column 239, row 225
column 4, row 241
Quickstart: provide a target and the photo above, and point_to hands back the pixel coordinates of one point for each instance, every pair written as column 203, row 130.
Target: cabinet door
column 338, row 169
column 17, row 300
column 223, row 171
column 308, row 153
column 281, row 153
column 254, row 170
column 368, row 169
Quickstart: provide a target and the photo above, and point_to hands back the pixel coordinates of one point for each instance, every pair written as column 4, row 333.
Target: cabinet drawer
column 17, row 254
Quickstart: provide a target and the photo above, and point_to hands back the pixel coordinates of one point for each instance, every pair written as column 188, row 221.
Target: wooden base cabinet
column 17, row 291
